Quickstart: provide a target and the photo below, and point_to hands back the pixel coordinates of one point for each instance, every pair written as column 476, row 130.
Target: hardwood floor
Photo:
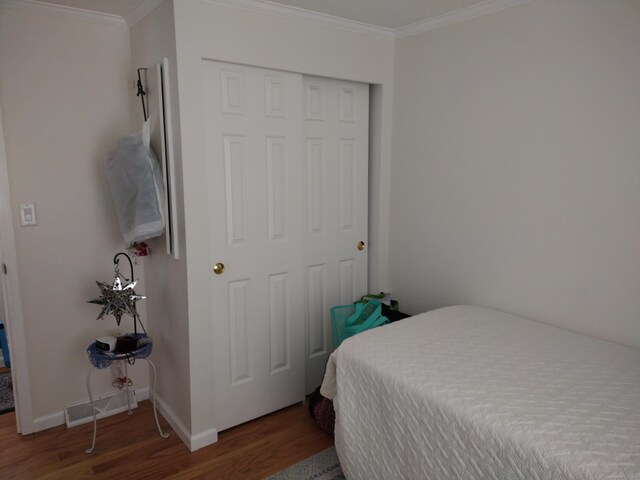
column 129, row 447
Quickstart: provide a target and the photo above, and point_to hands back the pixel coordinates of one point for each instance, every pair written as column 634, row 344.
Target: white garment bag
column 135, row 181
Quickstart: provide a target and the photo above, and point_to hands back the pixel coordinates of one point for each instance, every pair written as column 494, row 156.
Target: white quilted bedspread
column 471, row 393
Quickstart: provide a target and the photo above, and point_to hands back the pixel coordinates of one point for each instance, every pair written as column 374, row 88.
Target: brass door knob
column 218, row 268
column 360, row 245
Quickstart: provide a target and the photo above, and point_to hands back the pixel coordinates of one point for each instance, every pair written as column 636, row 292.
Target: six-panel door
column 336, row 116
column 287, row 178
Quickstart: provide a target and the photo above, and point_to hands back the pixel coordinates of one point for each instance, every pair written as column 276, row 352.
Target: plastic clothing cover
column 135, row 181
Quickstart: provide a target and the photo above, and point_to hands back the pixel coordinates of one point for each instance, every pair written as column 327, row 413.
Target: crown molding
column 66, row 12
column 456, row 16
column 141, row 11
column 270, row 8
column 308, row 16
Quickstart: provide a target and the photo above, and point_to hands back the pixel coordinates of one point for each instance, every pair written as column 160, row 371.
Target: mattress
column 471, row 393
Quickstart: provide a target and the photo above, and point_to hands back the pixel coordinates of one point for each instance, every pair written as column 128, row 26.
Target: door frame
column 13, row 314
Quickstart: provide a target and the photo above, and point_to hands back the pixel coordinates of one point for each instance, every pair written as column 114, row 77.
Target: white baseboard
column 203, row 439
column 48, row 421
column 57, row 419
column 193, row 442
column 142, row 394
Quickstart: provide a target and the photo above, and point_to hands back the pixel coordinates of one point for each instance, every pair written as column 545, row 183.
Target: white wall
column 65, row 89
column 152, row 39
column 516, row 174
column 515, row 171
column 207, row 30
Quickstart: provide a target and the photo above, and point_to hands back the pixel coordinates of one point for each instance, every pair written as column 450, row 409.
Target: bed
column 471, row 393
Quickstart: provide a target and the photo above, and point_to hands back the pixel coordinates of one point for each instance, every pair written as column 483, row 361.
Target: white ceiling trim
column 460, row 15
column 308, row 16
column 284, row 11
column 141, row 11
column 67, row 12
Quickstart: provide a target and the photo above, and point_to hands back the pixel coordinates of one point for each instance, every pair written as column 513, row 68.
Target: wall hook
column 141, row 93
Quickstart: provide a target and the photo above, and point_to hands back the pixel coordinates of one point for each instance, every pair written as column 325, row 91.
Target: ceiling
column 382, row 13
column 121, row 8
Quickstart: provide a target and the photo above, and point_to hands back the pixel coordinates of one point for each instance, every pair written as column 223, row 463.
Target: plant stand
column 100, row 360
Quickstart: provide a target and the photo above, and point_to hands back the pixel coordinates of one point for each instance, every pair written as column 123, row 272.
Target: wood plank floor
column 129, row 447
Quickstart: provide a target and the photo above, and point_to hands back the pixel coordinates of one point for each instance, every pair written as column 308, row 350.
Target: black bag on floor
column 321, row 409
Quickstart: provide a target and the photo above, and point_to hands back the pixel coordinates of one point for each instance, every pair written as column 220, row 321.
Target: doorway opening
column 11, row 311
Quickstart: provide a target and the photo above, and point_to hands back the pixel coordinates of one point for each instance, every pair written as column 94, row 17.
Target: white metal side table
column 100, row 360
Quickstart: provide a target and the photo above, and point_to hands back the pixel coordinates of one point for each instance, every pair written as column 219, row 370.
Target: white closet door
column 336, row 169
column 253, row 135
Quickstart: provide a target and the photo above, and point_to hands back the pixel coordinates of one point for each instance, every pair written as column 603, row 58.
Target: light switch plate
column 27, row 214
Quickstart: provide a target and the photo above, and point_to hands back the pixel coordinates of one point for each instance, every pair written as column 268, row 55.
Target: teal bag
column 348, row 320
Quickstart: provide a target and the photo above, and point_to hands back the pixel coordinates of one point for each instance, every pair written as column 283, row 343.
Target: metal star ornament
column 120, row 297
